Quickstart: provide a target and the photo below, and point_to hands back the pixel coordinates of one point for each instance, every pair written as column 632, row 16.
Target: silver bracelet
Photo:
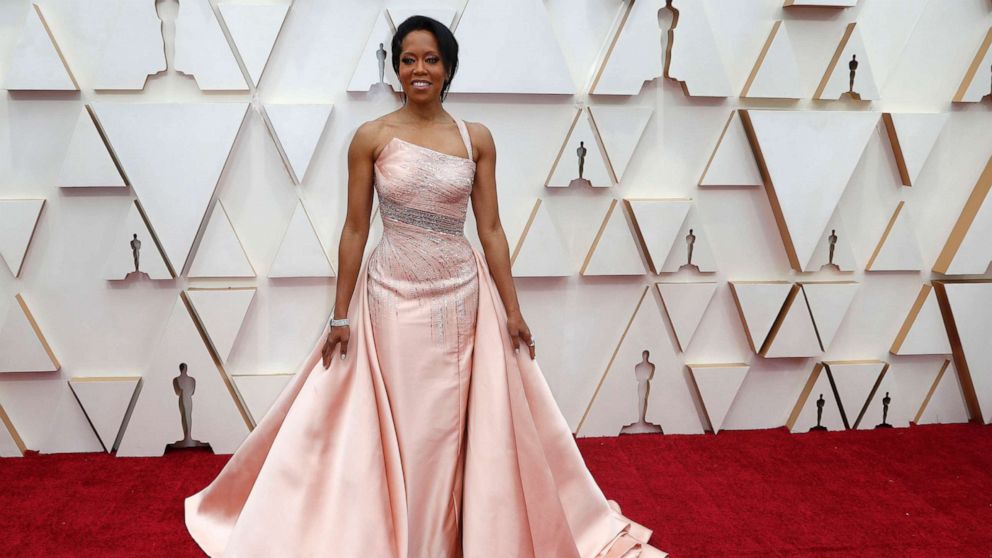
column 341, row 322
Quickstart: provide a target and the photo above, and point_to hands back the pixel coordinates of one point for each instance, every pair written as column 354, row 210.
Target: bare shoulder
column 369, row 134
column 481, row 136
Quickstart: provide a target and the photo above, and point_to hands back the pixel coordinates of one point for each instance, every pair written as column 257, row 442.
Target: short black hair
column 446, row 44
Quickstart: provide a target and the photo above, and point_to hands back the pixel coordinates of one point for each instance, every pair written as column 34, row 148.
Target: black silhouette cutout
column 135, row 251
column 832, row 239
column 853, row 67
column 185, row 386
column 644, row 372
column 819, row 414
column 581, row 152
column 885, row 412
column 690, row 241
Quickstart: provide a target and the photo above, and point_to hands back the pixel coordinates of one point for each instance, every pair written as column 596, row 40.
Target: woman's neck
column 422, row 114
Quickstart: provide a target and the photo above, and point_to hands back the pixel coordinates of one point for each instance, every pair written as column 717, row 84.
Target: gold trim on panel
column 6, row 422
column 933, row 389
column 613, row 356
column 885, row 235
column 910, row 320
column 848, row 31
column 976, row 62
column 964, row 222
column 759, row 61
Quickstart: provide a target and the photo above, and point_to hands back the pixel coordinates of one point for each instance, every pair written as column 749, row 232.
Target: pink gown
column 434, row 438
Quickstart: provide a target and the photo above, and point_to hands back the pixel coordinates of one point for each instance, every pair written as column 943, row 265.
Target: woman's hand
column 520, row 333
column 338, row 334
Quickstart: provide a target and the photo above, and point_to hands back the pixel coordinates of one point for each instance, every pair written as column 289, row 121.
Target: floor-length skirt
column 329, row 472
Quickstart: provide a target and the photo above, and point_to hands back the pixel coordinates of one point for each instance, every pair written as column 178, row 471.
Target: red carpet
column 922, row 491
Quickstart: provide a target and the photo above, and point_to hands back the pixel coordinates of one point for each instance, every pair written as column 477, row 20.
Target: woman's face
column 422, row 71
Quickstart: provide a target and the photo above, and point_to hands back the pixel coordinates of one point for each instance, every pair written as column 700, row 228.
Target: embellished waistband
column 421, row 218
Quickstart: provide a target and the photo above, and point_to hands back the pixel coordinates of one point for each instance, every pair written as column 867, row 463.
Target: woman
column 425, row 433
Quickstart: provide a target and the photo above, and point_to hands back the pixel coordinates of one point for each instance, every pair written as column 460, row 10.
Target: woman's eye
column 432, row 59
column 408, row 60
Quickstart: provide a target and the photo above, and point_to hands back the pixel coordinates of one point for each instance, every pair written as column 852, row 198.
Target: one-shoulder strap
column 463, row 130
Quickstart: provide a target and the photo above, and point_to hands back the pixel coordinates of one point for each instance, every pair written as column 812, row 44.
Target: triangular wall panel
column 133, row 236
column 923, row 331
column 220, row 253
column 967, row 249
column 718, row 385
column 912, row 137
column 614, row 250
column 945, row 404
column 173, row 155
column 692, row 248
column 221, row 312
column 615, row 403
column 632, row 58
column 897, row 249
column 494, row 36
column 802, row 153
column 828, row 303
column 11, row 444
column 156, row 420
column 759, row 304
column 22, row 343
column 595, row 168
column 685, row 304
column 693, row 57
column 202, row 50
column 818, row 392
column 975, row 86
column 297, row 130
column 301, row 253
column 658, row 222
column 18, row 220
column 855, row 382
column 841, row 258
column 88, row 163
column 775, row 74
column 106, row 401
column 620, row 129
column 965, row 306
column 793, row 335
column 849, row 57
column 732, row 162
column 37, row 63
column 540, row 252
column 254, row 29
column 134, row 48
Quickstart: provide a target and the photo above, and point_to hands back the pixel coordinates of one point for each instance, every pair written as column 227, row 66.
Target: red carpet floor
column 922, row 491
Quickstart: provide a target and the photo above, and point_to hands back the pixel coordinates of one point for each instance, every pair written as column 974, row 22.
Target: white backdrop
column 920, row 50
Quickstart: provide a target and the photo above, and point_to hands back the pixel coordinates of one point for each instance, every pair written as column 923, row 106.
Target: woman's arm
column 491, row 234
column 355, row 232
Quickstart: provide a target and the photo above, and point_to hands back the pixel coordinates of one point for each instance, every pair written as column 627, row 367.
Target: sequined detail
column 423, row 268
column 420, row 218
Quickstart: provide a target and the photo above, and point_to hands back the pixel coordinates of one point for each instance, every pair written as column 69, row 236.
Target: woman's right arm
column 354, row 233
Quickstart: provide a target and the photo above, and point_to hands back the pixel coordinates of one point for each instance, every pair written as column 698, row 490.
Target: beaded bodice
column 422, row 187
column 423, row 256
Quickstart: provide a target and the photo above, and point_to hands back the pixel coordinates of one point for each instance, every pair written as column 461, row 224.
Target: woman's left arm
column 491, row 234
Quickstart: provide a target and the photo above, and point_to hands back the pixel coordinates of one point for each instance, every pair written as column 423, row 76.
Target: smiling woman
column 426, row 432
column 425, row 57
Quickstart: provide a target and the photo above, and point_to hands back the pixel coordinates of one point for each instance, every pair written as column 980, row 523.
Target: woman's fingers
column 530, row 344
column 328, row 351
column 344, row 348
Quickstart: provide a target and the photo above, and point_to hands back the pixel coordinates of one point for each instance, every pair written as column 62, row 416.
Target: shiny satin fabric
column 434, row 438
